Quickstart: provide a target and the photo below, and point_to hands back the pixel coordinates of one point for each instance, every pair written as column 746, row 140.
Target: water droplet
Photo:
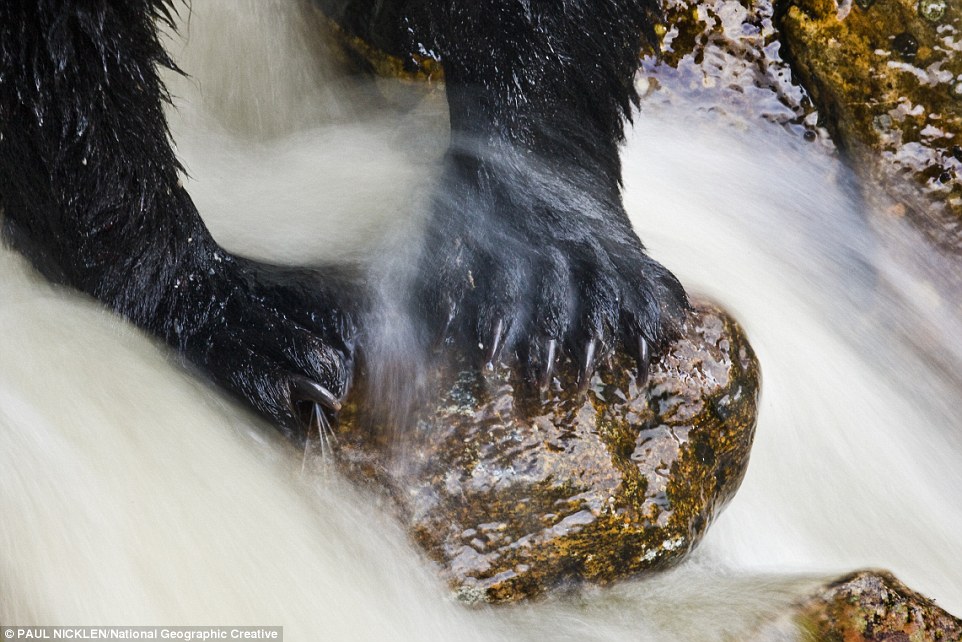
column 932, row 10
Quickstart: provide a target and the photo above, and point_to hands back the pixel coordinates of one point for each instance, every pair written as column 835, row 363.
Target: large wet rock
column 513, row 495
column 887, row 78
column 881, row 80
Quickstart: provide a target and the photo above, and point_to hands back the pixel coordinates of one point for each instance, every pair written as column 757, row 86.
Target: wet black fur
column 530, row 242
column 90, row 194
column 529, row 231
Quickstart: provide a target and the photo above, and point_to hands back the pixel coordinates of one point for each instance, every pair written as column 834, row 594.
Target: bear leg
column 530, row 251
column 90, row 193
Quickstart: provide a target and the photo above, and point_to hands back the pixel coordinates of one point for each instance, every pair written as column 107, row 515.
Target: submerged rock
column 513, row 495
column 887, row 79
column 874, row 605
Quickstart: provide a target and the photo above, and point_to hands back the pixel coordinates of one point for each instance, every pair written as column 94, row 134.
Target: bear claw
column 306, row 390
column 644, row 360
column 551, row 352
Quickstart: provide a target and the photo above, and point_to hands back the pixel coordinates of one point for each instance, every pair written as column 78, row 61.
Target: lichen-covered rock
column 887, row 79
column 873, row 605
column 512, row 494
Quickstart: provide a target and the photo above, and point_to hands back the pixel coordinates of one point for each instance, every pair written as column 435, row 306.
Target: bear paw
column 534, row 273
column 280, row 338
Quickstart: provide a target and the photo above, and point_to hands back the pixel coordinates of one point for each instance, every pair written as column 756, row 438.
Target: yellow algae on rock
column 514, row 495
column 887, row 78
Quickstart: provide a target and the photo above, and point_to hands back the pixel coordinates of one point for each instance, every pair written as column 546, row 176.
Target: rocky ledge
column 513, row 493
column 887, row 78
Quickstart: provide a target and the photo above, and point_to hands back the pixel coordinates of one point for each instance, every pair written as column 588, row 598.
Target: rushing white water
column 132, row 493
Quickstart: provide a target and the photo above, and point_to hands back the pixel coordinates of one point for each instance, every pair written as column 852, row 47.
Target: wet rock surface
column 886, row 76
column 725, row 55
column 513, row 495
column 874, row 605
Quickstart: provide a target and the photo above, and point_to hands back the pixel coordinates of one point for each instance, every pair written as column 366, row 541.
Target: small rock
column 874, row 605
column 513, row 495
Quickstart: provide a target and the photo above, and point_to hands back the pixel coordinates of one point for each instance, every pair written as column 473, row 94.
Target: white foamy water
column 132, row 493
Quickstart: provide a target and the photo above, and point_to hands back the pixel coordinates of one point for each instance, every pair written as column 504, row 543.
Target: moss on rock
column 513, row 494
column 874, row 605
column 887, row 78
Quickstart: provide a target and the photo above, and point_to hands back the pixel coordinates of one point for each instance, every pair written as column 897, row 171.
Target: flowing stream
column 130, row 492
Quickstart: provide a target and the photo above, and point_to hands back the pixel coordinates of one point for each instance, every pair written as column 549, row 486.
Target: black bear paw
column 519, row 278
column 280, row 338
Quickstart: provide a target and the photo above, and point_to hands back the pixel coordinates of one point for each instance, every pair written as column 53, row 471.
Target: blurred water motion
column 131, row 493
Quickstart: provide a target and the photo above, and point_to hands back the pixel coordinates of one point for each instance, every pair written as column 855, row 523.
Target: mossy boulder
column 886, row 76
column 514, row 493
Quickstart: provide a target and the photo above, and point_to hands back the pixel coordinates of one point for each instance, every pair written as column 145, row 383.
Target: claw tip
column 309, row 390
column 644, row 360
